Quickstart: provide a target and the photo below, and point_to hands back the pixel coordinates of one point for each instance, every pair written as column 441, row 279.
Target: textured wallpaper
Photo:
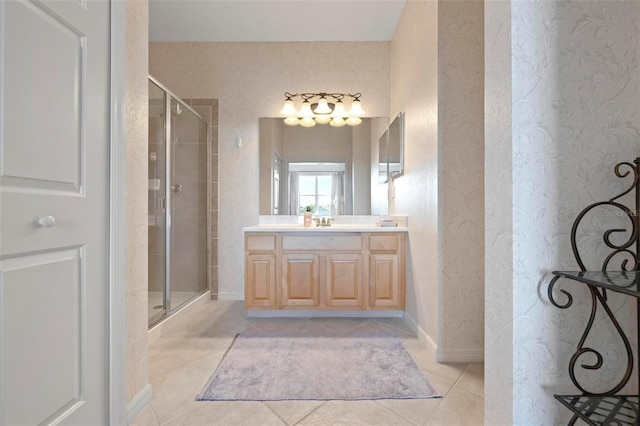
column 575, row 114
column 498, row 182
column 249, row 81
column 436, row 79
column 137, row 122
column 461, row 180
column 414, row 90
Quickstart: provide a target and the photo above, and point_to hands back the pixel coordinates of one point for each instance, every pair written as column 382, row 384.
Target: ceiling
column 273, row 20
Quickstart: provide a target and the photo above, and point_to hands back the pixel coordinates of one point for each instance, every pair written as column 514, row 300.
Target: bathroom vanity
column 342, row 267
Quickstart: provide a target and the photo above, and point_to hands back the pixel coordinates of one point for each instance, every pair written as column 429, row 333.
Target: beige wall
column 249, row 81
column 414, row 90
column 136, row 113
column 461, row 180
column 498, row 182
column 436, row 79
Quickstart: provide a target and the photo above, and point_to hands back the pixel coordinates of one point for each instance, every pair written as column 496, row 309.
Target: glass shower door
column 178, row 203
column 188, row 205
column 157, row 216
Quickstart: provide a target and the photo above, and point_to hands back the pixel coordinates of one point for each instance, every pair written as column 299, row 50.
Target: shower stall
column 178, row 203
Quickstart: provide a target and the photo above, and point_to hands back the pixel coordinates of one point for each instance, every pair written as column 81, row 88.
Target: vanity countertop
column 342, row 224
column 348, row 227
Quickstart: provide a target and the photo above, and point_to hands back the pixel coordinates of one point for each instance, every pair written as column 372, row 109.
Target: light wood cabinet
column 387, row 271
column 343, row 281
column 383, row 280
column 354, row 270
column 300, row 280
column 260, row 272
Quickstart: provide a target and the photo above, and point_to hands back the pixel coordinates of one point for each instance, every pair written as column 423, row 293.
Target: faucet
column 324, row 221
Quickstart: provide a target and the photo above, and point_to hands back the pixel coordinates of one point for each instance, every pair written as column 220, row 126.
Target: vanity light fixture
column 322, row 108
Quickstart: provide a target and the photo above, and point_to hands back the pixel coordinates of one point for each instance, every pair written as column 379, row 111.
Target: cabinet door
column 344, row 280
column 300, row 281
column 384, row 281
column 260, row 282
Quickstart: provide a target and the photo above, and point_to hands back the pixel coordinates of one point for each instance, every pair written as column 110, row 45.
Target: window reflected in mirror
column 319, row 186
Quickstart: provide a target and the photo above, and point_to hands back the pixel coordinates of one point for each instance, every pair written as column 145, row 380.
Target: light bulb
column 338, row 122
column 322, row 119
column 291, row 121
column 356, row 109
column 354, row 121
column 289, row 110
column 307, row 122
column 305, row 111
column 323, row 107
column 338, row 110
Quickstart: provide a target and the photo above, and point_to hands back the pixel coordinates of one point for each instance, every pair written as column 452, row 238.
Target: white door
column 54, row 212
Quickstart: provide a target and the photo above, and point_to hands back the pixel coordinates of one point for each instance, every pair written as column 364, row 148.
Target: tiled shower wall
column 208, row 109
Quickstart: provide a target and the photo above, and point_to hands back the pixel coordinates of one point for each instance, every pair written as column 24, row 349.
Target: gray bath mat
column 275, row 367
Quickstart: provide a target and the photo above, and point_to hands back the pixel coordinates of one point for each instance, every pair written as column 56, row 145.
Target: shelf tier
column 627, row 282
column 617, row 410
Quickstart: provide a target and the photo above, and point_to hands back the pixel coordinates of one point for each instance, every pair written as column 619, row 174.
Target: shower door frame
column 168, row 309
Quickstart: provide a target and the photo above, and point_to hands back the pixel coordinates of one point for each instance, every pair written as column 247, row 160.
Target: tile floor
column 183, row 359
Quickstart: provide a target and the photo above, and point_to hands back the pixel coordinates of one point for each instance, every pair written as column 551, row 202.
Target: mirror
column 395, row 149
column 333, row 169
column 383, row 157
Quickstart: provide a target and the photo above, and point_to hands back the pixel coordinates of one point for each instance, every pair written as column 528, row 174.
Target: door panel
column 344, row 285
column 384, row 280
column 301, row 283
column 30, row 300
column 54, row 79
column 54, row 205
column 261, row 281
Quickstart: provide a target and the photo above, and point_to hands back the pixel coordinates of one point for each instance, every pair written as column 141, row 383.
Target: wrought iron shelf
column 603, row 410
column 627, row 282
column 606, row 407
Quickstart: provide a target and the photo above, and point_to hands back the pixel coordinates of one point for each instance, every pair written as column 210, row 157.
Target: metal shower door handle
column 177, row 187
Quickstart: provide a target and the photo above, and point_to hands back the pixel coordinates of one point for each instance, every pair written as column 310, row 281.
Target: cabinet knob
column 46, row 221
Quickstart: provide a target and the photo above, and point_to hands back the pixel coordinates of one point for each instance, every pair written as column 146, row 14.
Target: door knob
column 47, row 221
column 177, row 188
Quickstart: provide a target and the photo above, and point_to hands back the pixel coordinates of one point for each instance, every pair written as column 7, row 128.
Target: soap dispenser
column 307, row 217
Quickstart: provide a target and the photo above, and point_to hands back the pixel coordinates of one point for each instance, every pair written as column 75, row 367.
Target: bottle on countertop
column 307, row 216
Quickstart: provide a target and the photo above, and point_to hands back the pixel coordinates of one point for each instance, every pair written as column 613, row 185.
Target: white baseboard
column 230, row 295
column 444, row 354
column 282, row 313
column 176, row 318
column 419, row 331
column 139, row 402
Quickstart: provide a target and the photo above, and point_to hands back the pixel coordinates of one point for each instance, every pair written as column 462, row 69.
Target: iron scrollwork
column 628, row 250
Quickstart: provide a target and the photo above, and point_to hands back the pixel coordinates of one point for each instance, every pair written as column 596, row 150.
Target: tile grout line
column 310, row 413
column 274, row 412
column 460, row 377
column 398, row 414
